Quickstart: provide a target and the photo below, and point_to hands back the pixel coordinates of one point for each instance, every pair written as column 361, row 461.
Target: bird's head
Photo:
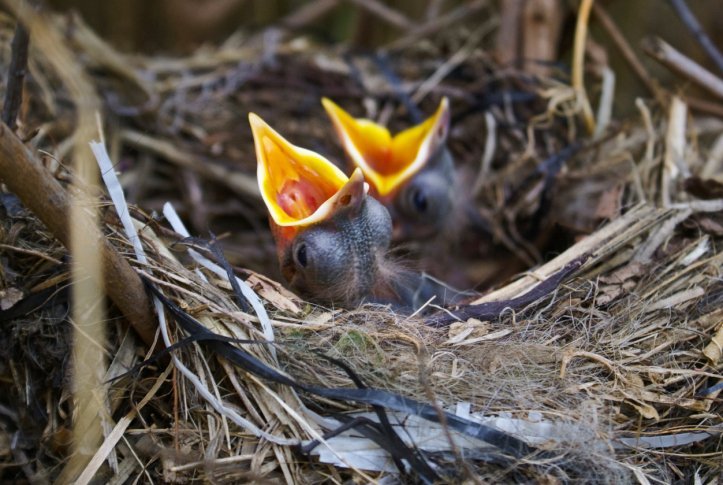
column 330, row 236
column 411, row 173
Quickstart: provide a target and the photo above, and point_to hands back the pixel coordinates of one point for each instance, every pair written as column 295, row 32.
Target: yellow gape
column 388, row 161
column 298, row 186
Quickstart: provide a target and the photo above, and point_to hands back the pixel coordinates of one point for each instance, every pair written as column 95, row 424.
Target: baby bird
column 411, row 173
column 331, row 237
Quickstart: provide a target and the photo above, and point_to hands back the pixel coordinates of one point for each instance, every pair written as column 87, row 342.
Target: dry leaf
column 608, row 207
column 9, row 297
column 274, row 293
column 627, row 272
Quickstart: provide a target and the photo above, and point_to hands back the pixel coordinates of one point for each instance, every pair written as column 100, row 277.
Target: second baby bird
column 411, row 173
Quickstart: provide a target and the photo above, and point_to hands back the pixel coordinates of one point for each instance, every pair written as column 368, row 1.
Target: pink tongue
column 300, row 198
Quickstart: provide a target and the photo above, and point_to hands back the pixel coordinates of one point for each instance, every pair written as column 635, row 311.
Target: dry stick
column 578, row 64
column 626, row 50
column 385, row 13
column 433, row 9
column 432, row 398
column 704, row 106
column 433, row 26
column 687, row 17
column 240, row 182
column 507, row 43
column 450, row 64
column 297, row 19
column 27, row 178
column 675, row 60
column 307, row 13
column 674, row 166
column 16, row 76
column 101, row 53
column 629, row 54
column 85, row 242
column 541, row 24
column 593, row 243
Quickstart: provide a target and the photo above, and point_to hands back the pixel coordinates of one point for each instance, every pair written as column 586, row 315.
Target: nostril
column 345, row 200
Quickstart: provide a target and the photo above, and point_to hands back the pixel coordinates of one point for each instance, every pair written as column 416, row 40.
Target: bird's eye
column 300, row 254
column 419, row 201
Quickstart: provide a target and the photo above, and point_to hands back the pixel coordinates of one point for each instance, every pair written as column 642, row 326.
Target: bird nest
column 596, row 358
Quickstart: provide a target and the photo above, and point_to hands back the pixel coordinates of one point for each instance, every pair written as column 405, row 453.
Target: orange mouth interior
column 297, row 185
column 295, row 188
column 387, row 161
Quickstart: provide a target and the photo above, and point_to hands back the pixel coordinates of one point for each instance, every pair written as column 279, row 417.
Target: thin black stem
column 16, row 75
column 687, row 17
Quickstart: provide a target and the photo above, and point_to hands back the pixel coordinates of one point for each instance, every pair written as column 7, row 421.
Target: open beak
column 299, row 186
column 388, row 162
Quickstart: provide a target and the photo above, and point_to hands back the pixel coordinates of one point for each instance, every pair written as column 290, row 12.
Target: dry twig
column 578, row 64
column 682, row 64
column 626, row 50
column 41, row 193
column 687, row 17
column 16, row 76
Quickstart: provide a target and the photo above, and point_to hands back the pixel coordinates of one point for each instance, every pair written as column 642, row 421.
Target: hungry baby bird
column 411, row 173
column 331, row 237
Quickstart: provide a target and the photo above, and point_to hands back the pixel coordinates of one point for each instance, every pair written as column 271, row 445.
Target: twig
column 433, row 399
column 578, row 64
column 16, row 75
column 307, row 13
column 450, row 64
column 675, row 60
column 395, row 83
column 235, row 180
column 487, row 154
column 707, row 106
column 389, row 15
column 626, row 50
column 299, row 18
column 687, row 17
column 118, row 430
column 541, row 23
column 507, row 43
column 495, row 309
column 102, row 54
column 431, row 27
column 674, row 161
column 46, row 198
column 607, row 97
column 433, row 9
